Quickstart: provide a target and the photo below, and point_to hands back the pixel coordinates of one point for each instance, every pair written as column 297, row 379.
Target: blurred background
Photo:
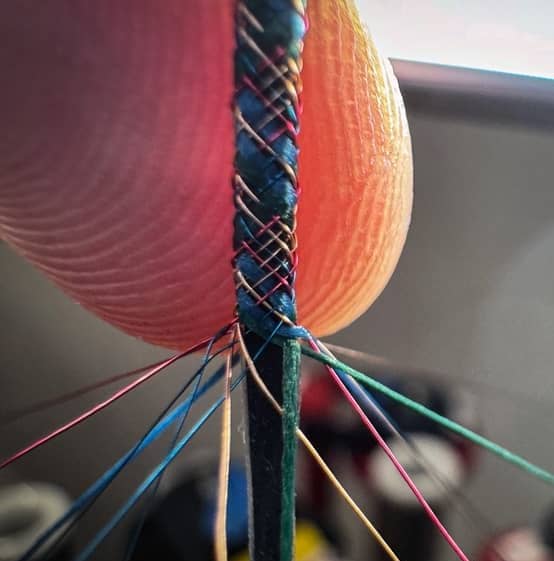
column 472, row 299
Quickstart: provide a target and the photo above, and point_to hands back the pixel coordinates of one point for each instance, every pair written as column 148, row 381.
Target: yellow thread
column 224, row 460
column 240, row 278
column 315, row 454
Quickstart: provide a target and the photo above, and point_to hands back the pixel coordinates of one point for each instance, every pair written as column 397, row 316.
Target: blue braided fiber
column 104, row 481
column 269, row 42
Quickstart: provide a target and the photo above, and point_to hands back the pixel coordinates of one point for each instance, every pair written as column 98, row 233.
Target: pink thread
column 288, row 126
column 421, row 499
column 71, row 395
column 265, row 264
column 103, row 404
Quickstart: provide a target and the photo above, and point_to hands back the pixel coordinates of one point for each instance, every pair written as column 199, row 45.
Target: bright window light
column 513, row 36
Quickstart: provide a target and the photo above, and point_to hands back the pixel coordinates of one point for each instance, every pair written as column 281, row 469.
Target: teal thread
column 291, row 412
column 496, row 449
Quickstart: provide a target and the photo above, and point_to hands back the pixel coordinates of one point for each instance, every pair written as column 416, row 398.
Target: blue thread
column 237, row 509
column 116, row 519
column 102, row 483
column 369, row 404
column 145, row 485
column 264, row 154
column 138, row 529
column 101, row 535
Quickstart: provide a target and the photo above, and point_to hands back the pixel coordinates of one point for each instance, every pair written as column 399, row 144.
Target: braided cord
column 266, row 112
column 269, row 42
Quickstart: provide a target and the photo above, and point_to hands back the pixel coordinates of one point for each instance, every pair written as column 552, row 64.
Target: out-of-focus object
column 477, row 95
column 127, row 206
column 400, row 517
column 337, row 432
column 26, row 511
column 181, row 526
column 436, row 390
column 522, row 543
column 494, row 64
column 311, row 545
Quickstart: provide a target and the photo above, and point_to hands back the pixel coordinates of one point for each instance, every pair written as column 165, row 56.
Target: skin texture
column 116, row 157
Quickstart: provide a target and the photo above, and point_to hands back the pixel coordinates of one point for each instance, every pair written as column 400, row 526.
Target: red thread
column 417, row 493
column 69, row 396
column 103, row 404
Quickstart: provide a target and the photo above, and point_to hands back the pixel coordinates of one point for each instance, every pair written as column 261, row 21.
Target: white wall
column 499, row 35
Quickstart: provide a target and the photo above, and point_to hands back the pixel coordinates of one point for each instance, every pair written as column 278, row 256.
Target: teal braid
column 269, row 41
column 267, row 73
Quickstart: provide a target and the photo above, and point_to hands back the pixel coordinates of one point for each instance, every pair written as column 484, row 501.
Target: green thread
column 291, row 412
column 485, row 443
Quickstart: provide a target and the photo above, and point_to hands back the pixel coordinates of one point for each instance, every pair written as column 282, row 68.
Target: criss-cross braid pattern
column 269, row 41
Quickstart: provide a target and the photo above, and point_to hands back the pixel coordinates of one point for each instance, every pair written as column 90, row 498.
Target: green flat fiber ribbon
column 500, row 451
column 291, row 413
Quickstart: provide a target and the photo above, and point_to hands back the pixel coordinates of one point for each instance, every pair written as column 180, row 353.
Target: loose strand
column 86, row 500
column 403, row 473
column 315, row 454
column 464, row 505
column 498, row 450
column 98, row 407
column 160, row 469
column 220, row 526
